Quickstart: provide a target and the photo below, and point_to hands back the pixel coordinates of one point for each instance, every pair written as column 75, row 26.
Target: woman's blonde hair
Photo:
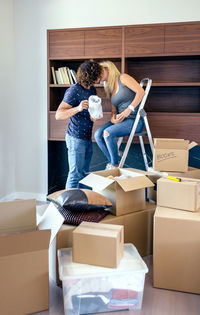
column 113, row 73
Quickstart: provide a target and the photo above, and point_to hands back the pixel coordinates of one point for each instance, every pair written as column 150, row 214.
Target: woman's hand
column 123, row 115
column 83, row 105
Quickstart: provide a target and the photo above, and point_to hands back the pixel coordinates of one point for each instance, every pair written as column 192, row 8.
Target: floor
column 155, row 301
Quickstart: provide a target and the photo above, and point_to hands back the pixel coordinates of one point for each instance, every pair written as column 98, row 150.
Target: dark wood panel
column 144, row 40
column 171, row 125
column 106, row 104
column 174, row 99
column 183, row 38
column 103, row 43
column 165, row 69
column 66, row 43
column 57, row 128
column 56, row 97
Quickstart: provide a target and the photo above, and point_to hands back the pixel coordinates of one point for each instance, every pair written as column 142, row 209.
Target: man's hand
column 83, row 105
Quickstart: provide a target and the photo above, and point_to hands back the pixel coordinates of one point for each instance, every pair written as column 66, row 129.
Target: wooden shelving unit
column 168, row 53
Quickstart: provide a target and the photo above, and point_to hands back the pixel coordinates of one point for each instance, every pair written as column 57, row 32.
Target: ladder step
column 143, row 133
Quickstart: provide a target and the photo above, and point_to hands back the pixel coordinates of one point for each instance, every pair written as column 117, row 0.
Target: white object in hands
column 95, row 107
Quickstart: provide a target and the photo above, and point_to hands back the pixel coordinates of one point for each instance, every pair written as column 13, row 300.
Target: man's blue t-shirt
column 80, row 125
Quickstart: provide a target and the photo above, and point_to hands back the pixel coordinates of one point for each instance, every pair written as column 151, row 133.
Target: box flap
column 14, row 244
column 51, row 219
column 40, row 210
column 18, row 216
column 97, row 181
column 176, row 144
column 134, row 183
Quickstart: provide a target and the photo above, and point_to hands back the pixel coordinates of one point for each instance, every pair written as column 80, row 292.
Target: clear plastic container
column 91, row 289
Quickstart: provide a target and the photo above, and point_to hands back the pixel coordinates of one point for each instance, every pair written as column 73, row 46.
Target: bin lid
column 131, row 262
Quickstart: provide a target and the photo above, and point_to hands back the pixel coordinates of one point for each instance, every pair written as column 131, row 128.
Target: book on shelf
column 62, row 73
column 58, row 78
column 66, row 75
column 61, row 76
column 53, row 75
column 73, row 75
column 69, row 76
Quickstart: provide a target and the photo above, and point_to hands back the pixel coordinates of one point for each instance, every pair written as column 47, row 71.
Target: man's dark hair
column 88, row 72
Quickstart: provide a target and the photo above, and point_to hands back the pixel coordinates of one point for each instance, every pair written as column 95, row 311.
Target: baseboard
column 24, row 195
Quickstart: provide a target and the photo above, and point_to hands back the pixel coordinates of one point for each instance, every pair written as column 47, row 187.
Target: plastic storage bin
column 92, row 289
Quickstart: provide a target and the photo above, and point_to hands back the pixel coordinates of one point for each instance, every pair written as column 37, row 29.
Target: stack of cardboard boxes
column 24, row 256
column 130, row 209
column 176, row 253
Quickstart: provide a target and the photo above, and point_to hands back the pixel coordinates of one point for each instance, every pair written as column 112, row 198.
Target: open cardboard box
column 171, row 154
column 183, row 195
column 127, row 194
column 24, row 252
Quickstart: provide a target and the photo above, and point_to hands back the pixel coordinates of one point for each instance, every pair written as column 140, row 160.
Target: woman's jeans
column 108, row 144
column 79, row 158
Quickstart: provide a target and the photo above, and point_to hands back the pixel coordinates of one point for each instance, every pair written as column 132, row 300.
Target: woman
column 125, row 94
column 78, row 134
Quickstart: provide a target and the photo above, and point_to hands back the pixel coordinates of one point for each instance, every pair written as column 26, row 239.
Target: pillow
column 80, row 200
column 75, row 218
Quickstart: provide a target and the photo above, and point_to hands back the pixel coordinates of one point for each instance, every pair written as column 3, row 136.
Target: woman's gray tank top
column 123, row 98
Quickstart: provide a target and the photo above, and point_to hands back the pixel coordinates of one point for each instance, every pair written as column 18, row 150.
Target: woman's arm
column 133, row 85
column 65, row 110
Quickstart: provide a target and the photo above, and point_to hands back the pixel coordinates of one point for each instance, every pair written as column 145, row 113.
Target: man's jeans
column 79, row 158
column 108, row 145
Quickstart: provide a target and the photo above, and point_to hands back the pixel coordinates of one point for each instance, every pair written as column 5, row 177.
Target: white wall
column 7, row 106
column 31, row 20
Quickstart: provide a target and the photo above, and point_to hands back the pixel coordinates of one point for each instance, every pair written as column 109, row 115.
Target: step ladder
column 141, row 113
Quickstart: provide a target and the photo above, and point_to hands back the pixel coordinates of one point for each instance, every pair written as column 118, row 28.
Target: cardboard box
column 78, row 279
column 126, row 194
column 176, row 253
column 184, row 195
column 138, row 230
column 24, row 265
column 171, row 154
column 155, row 175
column 151, row 191
column 98, row 244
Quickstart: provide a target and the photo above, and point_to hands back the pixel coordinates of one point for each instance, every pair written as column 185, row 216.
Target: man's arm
column 65, row 110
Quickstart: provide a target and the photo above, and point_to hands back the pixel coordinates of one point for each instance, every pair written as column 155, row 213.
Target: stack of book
column 63, row 75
